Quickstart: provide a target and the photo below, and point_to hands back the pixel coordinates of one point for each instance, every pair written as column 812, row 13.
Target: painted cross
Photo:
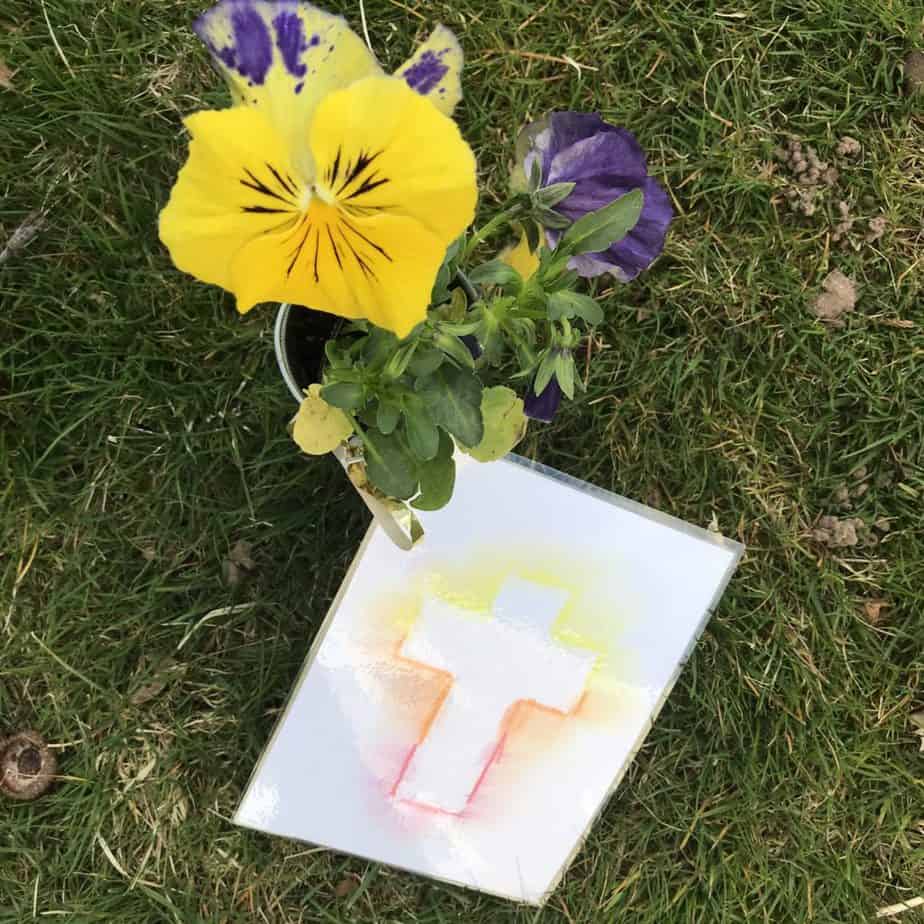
column 491, row 666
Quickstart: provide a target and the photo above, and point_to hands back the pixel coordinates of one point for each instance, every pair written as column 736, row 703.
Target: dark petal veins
column 288, row 187
column 334, row 171
column 257, row 185
column 334, row 248
column 368, row 185
column 359, row 234
column 264, row 210
column 361, row 263
column 298, row 251
column 354, row 171
column 317, row 248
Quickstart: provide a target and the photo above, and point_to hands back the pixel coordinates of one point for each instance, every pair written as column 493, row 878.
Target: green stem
column 487, row 230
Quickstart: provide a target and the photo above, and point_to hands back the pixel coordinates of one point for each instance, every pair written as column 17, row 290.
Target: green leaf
column 545, row 371
column 533, row 297
column 389, row 465
column 551, row 219
column 425, row 360
column 598, row 230
column 399, row 360
column 504, row 424
column 568, row 304
column 458, row 305
column 386, row 417
column 495, row 273
column 455, row 349
column 550, row 196
column 440, row 292
column 346, row 395
column 460, row 330
column 564, row 372
column 437, row 477
column 423, row 436
column 334, row 355
column 452, row 251
column 453, row 398
column 318, row 427
column 565, row 280
column 379, row 347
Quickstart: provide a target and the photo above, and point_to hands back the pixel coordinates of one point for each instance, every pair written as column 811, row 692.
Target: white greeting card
column 469, row 705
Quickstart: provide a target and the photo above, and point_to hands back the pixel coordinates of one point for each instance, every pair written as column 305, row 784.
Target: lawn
column 143, row 435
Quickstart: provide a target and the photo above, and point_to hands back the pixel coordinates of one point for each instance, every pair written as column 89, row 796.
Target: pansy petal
column 435, row 70
column 543, row 406
column 380, row 147
column 608, row 158
column 237, row 184
column 521, row 258
column 395, row 186
column 379, row 267
column 283, row 56
column 640, row 247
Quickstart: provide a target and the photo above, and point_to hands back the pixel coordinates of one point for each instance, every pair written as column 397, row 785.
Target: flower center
column 324, row 193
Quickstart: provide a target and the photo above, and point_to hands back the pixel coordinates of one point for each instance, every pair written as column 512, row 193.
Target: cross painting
column 469, row 705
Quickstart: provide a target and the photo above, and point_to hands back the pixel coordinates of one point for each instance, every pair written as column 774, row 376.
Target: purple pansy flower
column 544, row 405
column 604, row 162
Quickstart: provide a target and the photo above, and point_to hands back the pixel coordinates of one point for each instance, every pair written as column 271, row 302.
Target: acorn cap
column 27, row 766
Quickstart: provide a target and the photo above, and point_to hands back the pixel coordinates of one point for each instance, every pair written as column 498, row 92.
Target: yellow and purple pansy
column 328, row 183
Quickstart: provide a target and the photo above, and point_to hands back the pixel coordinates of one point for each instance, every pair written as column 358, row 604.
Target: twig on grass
column 891, row 910
column 28, row 228
column 54, row 40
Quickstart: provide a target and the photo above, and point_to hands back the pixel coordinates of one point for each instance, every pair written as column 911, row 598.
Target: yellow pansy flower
column 330, row 184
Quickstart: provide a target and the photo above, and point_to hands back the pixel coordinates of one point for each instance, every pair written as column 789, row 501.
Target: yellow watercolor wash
column 591, row 618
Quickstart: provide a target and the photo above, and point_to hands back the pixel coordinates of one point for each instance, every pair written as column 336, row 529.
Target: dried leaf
column 872, row 609
column 6, row 76
column 167, row 672
column 347, row 886
column 839, row 296
column 238, row 563
column 504, row 424
column 240, row 555
column 319, row 427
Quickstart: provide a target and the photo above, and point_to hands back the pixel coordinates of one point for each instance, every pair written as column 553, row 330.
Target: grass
column 143, row 434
